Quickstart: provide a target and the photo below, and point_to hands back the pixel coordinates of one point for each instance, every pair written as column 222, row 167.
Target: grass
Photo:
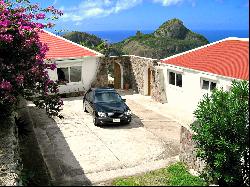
column 174, row 175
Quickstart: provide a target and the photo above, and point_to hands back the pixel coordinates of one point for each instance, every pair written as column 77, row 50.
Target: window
column 171, row 78
column 69, row 74
column 179, row 80
column 75, row 73
column 212, row 85
column 208, row 85
column 175, row 79
column 63, row 75
column 205, row 85
column 107, row 97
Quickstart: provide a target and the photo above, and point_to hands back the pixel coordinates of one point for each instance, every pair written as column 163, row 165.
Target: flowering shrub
column 23, row 71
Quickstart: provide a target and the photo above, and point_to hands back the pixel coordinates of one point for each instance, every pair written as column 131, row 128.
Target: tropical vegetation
column 23, row 71
column 222, row 135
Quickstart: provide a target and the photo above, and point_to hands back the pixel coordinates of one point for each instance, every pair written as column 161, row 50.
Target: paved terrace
column 78, row 153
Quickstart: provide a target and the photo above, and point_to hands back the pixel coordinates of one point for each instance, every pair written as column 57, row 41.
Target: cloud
column 55, row 1
column 96, row 8
column 88, row 9
column 168, row 2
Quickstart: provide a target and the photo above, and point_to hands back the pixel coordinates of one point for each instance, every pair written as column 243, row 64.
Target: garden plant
column 23, row 70
column 222, row 135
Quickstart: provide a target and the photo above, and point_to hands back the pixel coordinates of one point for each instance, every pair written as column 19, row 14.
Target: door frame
column 121, row 69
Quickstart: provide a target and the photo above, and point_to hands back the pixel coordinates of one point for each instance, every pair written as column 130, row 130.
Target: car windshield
column 107, row 97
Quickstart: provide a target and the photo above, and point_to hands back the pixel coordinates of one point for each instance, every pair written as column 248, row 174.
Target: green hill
column 88, row 40
column 170, row 38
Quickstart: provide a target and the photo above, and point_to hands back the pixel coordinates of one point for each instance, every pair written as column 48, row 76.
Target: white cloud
column 78, row 23
column 55, row 1
column 168, row 2
column 96, row 8
column 87, row 9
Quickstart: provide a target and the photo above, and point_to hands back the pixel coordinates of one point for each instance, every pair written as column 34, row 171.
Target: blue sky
column 101, row 15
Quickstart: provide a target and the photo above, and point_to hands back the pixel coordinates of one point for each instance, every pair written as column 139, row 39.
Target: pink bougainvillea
column 23, row 71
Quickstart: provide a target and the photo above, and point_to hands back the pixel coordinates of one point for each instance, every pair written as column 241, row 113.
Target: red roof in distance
column 228, row 57
column 60, row 47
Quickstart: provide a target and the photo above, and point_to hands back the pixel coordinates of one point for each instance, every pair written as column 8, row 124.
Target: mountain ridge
column 171, row 38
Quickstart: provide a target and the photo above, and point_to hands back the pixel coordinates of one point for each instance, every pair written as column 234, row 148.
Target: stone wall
column 102, row 74
column 158, row 91
column 34, row 167
column 187, row 151
column 134, row 68
column 10, row 167
column 139, row 66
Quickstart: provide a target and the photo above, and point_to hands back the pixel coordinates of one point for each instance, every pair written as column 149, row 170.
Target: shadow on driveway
column 63, row 167
column 135, row 123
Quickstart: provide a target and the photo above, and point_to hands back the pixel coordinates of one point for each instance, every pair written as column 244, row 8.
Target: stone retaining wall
column 34, row 167
column 10, row 166
column 187, row 151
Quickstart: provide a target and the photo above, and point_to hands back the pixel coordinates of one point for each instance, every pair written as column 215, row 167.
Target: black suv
column 106, row 106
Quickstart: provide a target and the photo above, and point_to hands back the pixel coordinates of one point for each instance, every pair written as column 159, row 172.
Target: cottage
column 191, row 74
column 76, row 65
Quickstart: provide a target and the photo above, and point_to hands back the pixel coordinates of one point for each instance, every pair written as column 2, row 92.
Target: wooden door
column 149, row 81
column 117, row 76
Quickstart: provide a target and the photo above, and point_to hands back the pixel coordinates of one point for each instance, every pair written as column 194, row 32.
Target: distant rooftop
column 228, row 57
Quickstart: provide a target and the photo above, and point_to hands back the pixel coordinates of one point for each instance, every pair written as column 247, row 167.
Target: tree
column 222, row 134
column 23, row 71
column 138, row 34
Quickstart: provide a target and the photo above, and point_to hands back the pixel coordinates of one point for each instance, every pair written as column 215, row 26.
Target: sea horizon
column 114, row 36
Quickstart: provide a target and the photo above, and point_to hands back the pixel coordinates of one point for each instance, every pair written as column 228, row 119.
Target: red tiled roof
column 229, row 57
column 63, row 48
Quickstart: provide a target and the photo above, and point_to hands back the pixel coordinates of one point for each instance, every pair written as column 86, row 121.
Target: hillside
column 170, row 38
column 88, row 40
column 91, row 41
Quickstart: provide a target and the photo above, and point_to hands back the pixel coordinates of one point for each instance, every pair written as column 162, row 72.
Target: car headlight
column 102, row 114
column 128, row 112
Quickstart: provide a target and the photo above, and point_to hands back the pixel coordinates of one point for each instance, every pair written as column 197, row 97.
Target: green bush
column 222, row 134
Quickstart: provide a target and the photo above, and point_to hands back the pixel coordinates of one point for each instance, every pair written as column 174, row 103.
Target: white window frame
column 175, row 76
column 209, row 84
column 70, row 82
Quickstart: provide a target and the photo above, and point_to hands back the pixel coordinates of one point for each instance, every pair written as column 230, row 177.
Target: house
column 76, row 65
column 191, row 74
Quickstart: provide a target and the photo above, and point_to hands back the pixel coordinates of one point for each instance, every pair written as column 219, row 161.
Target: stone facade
column 187, row 151
column 158, row 92
column 139, row 66
column 10, row 166
column 102, row 74
column 134, row 69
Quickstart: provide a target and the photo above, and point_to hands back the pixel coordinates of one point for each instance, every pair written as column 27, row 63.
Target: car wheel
column 84, row 107
column 95, row 121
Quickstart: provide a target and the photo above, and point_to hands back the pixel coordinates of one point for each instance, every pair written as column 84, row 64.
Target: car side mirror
column 124, row 100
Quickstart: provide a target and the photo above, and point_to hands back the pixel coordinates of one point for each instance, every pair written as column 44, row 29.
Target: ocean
column 211, row 35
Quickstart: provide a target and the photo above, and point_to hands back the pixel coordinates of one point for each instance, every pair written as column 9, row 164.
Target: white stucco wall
column 89, row 69
column 187, row 97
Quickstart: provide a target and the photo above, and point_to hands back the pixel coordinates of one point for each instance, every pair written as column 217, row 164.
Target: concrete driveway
column 78, row 153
